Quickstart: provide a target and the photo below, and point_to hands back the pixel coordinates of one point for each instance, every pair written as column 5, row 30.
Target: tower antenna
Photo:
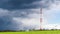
column 41, row 19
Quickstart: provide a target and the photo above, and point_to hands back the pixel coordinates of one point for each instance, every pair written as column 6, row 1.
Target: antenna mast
column 41, row 19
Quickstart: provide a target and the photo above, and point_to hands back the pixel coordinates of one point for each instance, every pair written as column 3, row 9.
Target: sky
column 25, row 14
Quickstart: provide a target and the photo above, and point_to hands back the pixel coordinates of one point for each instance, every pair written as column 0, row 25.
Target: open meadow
column 34, row 32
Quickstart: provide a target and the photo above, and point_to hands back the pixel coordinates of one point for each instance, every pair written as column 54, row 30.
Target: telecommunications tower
column 41, row 19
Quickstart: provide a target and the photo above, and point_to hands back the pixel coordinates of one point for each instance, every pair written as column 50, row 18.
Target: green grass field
column 33, row 32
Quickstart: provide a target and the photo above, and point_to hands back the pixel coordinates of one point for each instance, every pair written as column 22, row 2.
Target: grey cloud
column 7, row 22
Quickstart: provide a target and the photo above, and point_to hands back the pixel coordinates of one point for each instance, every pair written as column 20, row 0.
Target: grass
column 34, row 32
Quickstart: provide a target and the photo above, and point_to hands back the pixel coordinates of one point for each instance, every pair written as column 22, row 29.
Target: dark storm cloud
column 6, row 16
column 8, row 23
column 17, row 4
column 21, row 13
column 23, row 4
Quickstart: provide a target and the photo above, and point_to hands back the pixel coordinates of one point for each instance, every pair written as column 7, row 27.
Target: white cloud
column 52, row 26
column 52, row 13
